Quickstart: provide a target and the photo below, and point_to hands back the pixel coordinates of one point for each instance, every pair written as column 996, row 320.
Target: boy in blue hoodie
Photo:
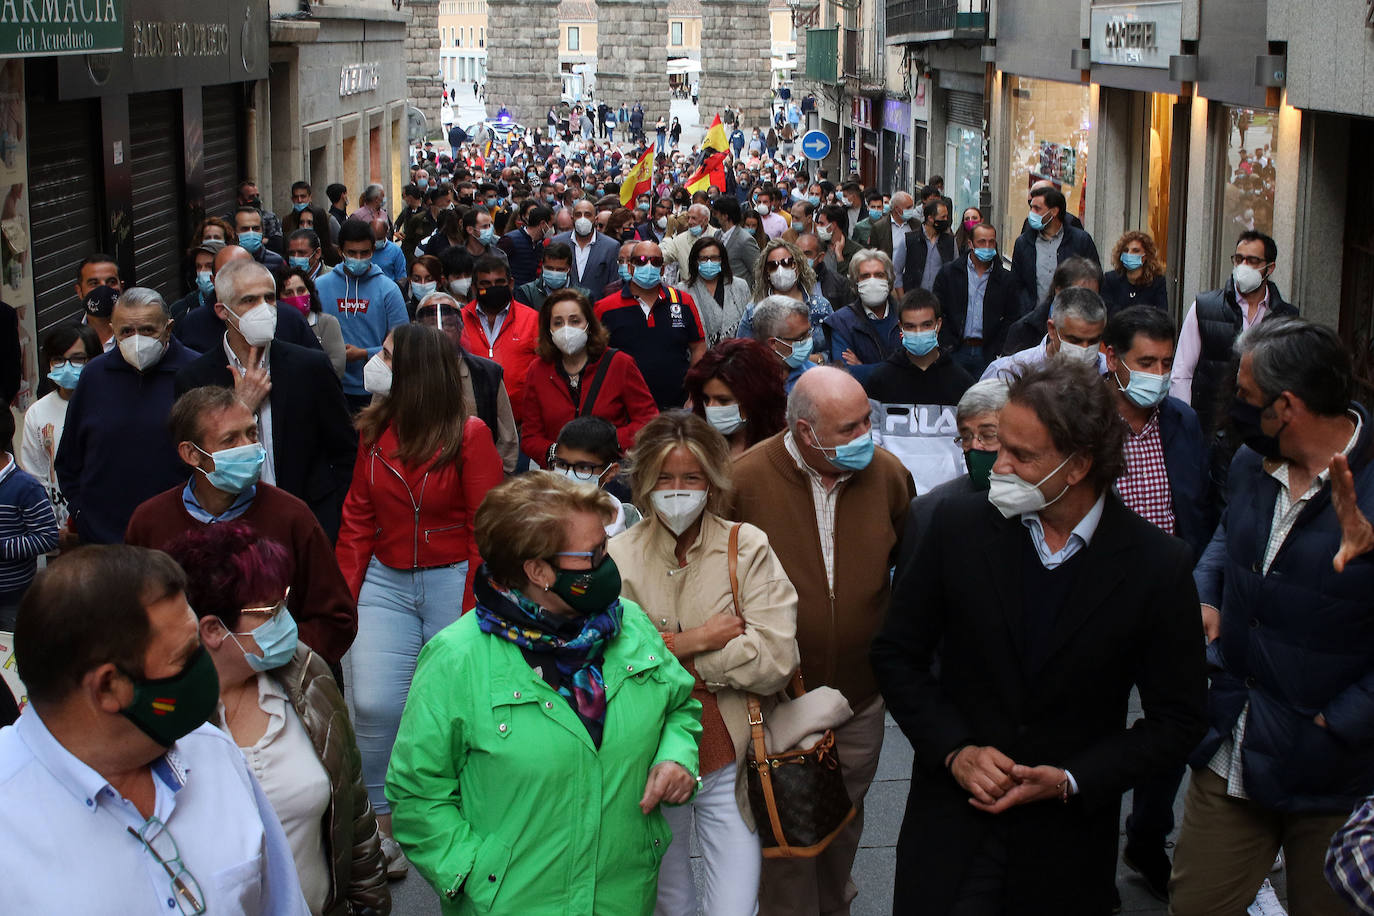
column 367, row 303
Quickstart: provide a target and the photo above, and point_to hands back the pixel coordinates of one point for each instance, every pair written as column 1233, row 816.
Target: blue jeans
column 399, row 610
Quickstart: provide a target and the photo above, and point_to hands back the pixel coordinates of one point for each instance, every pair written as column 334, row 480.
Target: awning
column 684, row 65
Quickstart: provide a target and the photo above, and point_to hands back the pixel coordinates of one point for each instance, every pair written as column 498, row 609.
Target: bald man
column 386, row 254
column 820, row 489
column 202, row 330
column 594, row 254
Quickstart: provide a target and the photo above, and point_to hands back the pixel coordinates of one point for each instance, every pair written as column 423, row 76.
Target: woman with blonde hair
column 677, row 565
column 1138, row 277
column 782, row 270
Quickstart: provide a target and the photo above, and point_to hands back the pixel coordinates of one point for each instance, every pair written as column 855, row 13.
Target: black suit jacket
column 1000, row 303
column 203, row 331
column 313, row 442
column 880, row 236
column 916, row 256
column 1131, row 620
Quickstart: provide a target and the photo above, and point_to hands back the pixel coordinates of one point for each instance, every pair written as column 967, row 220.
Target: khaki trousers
column 1226, row 848
column 823, row 885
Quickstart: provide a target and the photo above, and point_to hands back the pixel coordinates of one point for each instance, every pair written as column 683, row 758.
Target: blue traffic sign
column 815, row 145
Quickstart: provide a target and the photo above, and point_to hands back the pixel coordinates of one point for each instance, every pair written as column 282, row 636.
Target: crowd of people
column 566, row 480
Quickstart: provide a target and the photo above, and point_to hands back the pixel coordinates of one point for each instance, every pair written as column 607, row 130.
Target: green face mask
column 168, row 708
column 979, row 464
column 588, row 591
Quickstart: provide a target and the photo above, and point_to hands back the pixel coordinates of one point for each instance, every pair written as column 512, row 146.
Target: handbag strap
column 755, row 710
column 593, row 389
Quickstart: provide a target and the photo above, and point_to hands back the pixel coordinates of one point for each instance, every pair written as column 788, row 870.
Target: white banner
column 922, row 438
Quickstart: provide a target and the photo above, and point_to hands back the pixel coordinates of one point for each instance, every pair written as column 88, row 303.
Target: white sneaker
column 397, row 867
column 1266, row 902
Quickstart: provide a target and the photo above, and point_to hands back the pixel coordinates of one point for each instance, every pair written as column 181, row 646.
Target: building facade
column 463, row 43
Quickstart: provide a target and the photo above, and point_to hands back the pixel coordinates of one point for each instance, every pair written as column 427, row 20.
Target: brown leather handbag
column 797, row 796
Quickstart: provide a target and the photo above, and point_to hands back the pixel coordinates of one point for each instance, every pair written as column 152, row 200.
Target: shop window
column 963, row 166
column 1247, row 179
column 1050, row 124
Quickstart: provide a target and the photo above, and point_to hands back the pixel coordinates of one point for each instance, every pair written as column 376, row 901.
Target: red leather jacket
column 415, row 516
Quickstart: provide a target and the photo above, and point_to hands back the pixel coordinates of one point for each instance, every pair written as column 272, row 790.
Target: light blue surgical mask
column 798, row 225
column 647, row 276
column 815, row 200
column 1132, row 261
column 236, row 469
column 250, row 241
column 708, row 270
column 854, row 455
column 919, row 343
column 65, row 374
column 1036, row 221
column 357, row 266
column 300, row 263
column 487, row 236
column 298, row 207
column 801, row 352
column 205, row 282
column 276, row 638
column 696, row 230
column 555, row 279
column 422, row 184
column 1145, row 389
column 910, row 213
column 874, row 215
column 624, row 270
column 985, row 254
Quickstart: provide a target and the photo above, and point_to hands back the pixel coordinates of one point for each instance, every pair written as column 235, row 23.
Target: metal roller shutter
column 156, row 141
column 64, row 202
column 964, row 108
column 220, row 106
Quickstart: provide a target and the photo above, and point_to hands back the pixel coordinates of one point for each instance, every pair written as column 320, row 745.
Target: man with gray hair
column 372, row 205
column 1077, row 321
column 292, row 392
column 865, row 332
column 115, row 450
column 1287, row 597
column 821, row 489
column 676, row 248
column 202, row 329
column 783, row 325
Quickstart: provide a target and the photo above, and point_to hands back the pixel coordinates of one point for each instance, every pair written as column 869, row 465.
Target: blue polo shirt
column 657, row 341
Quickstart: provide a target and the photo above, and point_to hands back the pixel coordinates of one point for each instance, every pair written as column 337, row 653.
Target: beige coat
column 762, row 660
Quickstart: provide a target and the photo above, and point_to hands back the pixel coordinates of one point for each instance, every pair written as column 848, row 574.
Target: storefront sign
column 1058, row 163
column 861, row 112
column 897, row 116
column 1137, row 34
column 46, row 28
column 356, row 78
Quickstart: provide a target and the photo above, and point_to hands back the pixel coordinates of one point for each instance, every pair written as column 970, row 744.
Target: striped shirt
column 824, row 499
column 28, row 527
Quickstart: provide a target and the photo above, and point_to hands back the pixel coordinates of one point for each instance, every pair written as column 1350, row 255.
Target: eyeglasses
column 781, row 263
column 639, row 260
column 581, row 470
column 709, row 258
column 987, row 440
column 597, row 556
column 1249, row 260
column 185, row 889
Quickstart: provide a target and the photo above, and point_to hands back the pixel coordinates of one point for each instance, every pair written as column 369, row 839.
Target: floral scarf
column 577, row 655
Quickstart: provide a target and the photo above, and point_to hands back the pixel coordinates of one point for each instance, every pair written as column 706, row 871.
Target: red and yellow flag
column 639, row 179
column 711, row 170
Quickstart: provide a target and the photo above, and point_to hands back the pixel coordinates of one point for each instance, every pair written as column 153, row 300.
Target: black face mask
column 1245, row 418
column 941, row 225
column 493, row 299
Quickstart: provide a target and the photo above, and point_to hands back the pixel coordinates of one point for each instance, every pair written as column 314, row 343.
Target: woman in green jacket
column 544, row 729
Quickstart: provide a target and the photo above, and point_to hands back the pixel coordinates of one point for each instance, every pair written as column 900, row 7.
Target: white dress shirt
column 264, row 415
column 66, row 845
column 582, row 253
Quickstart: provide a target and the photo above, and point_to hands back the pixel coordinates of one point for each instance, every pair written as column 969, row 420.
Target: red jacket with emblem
column 624, row 401
column 416, row 516
column 514, row 347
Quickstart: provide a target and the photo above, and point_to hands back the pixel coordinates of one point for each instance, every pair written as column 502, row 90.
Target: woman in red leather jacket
column 406, row 546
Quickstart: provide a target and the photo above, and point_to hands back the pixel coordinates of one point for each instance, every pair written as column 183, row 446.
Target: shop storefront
column 1049, row 126
column 863, row 140
column 896, row 160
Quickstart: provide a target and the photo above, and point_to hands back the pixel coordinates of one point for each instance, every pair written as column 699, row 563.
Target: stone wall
column 631, row 63
column 736, row 60
column 424, row 86
column 522, row 59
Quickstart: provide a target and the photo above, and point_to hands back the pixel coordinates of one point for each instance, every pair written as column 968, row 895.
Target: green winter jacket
column 502, row 801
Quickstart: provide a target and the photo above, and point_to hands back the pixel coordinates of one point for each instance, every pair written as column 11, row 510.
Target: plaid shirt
column 1348, row 860
column 1144, row 488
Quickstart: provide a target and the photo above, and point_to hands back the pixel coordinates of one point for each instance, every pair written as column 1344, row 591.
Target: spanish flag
column 711, row 168
column 639, row 179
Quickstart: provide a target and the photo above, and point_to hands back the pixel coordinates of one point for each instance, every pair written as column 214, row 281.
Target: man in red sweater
column 217, row 436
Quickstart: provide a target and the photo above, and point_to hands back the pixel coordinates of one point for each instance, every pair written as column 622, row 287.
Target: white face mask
column 142, row 352
column 725, row 419
column 677, row 509
column 1013, row 496
column 784, row 278
column 570, row 340
column 874, row 290
column 1087, row 355
column 258, row 325
column 1246, row 278
column 582, row 226
column 461, row 287
column 377, row 376
column 825, row 233
column 661, row 222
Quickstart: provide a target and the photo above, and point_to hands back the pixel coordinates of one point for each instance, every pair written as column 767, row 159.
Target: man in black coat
column 1047, row 241
column 974, row 337
column 203, row 329
column 1047, row 601
column 302, row 415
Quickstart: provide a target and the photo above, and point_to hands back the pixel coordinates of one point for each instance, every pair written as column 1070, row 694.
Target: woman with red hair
column 737, row 386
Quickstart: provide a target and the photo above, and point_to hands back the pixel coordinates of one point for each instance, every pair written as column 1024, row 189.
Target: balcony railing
column 927, row 20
